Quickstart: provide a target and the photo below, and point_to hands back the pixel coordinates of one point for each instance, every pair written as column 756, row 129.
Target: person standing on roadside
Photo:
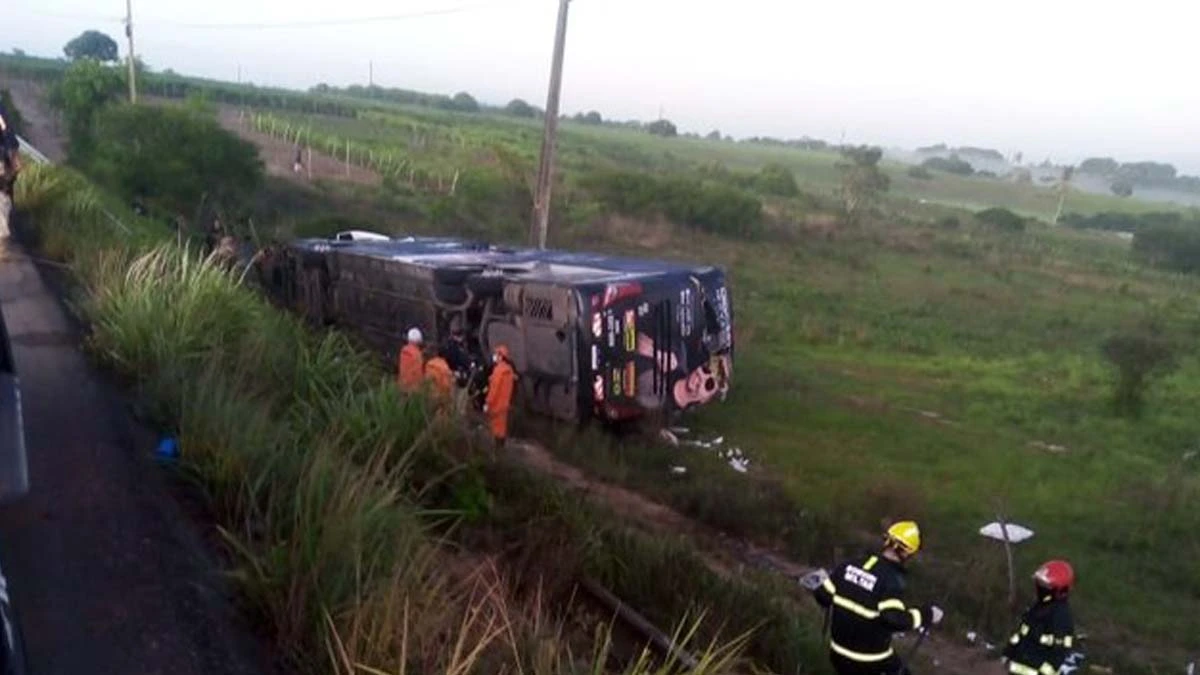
column 440, row 380
column 10, row 166
column 1045, row 639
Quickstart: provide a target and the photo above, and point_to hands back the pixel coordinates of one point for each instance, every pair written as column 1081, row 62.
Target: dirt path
column 729, row 557
column 278, row 155
column 108, row 572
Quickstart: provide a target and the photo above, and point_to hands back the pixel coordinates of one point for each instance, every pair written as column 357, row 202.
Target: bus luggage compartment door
column 540, row 334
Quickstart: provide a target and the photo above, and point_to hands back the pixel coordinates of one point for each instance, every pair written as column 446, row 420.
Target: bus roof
column 548, row 265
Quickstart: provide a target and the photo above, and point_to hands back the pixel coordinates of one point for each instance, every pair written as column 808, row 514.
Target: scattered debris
column 1048, row 447
column 679, row 470
column 669, row 436
column 739, row 465
column 971, row 636
column 1015, row 533
column 1187, row 457
column 930, row 414
column 679, row 431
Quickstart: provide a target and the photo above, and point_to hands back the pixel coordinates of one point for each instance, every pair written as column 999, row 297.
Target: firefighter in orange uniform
column 499, row 395
column 410, row 373
column 440, row 379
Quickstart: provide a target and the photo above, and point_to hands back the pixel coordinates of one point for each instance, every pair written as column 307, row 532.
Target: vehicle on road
column 14, row 483
column 590, row 336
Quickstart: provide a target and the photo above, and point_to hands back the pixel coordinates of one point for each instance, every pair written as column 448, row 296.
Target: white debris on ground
column 733, row 456
column 679, row 470
column 1016, row 533
column 971, row 636
column 1048, row 447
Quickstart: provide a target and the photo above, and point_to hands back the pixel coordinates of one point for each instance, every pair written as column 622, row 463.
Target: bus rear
column 658, row 345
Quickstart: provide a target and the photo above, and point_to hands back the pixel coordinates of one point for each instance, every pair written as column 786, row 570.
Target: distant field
column 914, row 370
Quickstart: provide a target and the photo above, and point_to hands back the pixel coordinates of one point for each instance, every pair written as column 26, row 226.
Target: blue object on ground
column 167, row 448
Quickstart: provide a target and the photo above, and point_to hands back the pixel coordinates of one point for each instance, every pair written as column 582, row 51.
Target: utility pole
column 129, row 34
column 545, row 179
column 370, row 73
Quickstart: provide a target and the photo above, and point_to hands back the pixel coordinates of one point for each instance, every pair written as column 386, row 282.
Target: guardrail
column 33, row 152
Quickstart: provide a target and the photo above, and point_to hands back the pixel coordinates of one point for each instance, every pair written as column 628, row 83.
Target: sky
column 1054, row 79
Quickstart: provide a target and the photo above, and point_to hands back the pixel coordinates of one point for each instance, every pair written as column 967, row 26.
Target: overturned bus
column 589, row 335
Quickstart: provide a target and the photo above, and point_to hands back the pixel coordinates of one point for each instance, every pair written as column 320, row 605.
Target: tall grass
column 314, row 467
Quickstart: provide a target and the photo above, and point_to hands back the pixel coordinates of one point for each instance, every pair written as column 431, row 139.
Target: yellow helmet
column 906, row 536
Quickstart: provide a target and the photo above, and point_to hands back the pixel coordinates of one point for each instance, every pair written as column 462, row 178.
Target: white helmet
column 414, row 336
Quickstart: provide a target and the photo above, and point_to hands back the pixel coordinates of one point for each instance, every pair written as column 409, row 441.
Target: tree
column 1099, row 166
column 85, row 88
column 91, row 44
column 862, row 181
column 464, row 102
column 664, row 128
column 171, row 158
column 1140, row 354
column 1122, row 188
column 1001, row 219
column 519, row 108
column 776, row 179
column 952, row 164
column 714, row 135
column 590, row 117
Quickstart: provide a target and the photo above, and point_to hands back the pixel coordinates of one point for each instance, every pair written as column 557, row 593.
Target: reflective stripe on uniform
column 892, row 603
column 916, row 617
column 870, row 563
column 850, row 605
column 1048, row 669
column 1067, row 642
column 1047, row 640
column 1024, row 630
column 1021, row 669
column 828, row 586
column 865, row 658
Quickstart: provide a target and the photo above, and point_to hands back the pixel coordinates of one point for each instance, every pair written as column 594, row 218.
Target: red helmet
column 1055, row 576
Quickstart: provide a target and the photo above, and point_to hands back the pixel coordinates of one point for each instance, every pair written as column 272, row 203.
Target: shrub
column 1001, row 219
column 920, row 173
column 711, row 207
column 1174, row 246
column 172, row 158
column 952, row 164
column 1139, row 354
column 776, row 179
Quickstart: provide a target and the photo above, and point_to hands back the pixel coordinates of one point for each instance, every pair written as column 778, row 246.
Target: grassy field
column 920, row 364
column 947, row 372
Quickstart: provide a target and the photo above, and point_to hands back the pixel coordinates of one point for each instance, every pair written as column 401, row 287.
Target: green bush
column 711, row 207
column 952, row 164
column 1001, row 219
column 1175, row 246
column 776, row 179
column 920, row 173
column 172, row 158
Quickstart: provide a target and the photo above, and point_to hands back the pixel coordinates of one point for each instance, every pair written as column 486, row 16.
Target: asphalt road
column 108, row 572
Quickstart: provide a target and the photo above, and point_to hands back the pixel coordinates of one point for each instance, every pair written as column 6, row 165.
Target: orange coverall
column 440, row 378
column 499, row 395
column 409, row 375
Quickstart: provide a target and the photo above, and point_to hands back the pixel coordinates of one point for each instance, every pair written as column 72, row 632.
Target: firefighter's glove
column 935, row 614
column 814, row 579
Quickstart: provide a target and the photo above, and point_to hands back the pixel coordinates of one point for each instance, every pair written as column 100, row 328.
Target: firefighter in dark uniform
column 1046, row 637
column 866, row 601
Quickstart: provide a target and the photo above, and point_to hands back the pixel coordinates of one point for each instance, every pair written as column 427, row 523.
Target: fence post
column 347, row 157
